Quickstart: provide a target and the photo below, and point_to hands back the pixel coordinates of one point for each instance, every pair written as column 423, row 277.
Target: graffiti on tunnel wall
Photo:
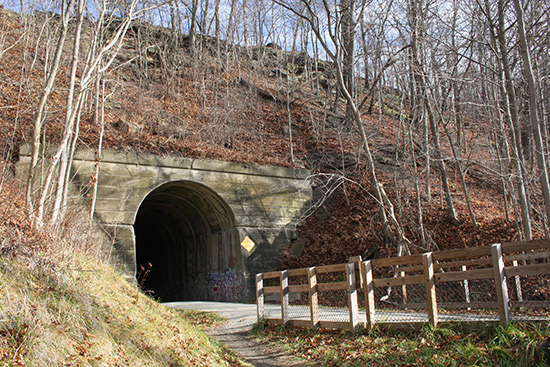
column 228, row 286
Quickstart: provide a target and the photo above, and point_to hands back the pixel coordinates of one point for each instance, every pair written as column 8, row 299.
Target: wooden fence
column 501, row 264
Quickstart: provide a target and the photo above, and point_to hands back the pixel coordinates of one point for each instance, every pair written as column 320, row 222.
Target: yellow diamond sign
column 248, row 244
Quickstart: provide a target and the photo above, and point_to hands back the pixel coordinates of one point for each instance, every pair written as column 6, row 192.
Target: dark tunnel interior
column 185, row 235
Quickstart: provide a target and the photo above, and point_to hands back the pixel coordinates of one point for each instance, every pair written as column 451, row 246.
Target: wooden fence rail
column 496, row 263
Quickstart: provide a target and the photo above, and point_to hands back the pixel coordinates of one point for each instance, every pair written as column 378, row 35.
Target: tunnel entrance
column 187, row 245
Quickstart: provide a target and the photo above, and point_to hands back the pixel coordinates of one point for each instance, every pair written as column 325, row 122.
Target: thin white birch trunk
column 38, row 120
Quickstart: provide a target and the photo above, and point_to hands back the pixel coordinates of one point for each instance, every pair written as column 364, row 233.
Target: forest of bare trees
column 466, row 82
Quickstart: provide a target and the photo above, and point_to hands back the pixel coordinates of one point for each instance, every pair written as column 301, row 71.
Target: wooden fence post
column 466, row 285
column 500, row 284
column 356, row 260
column 370, row 308
column 403, row 288
column 519, row 292
column 352, row 296
column 313, row 297
column 284, row 297
column 431, row 298
column 260, row 299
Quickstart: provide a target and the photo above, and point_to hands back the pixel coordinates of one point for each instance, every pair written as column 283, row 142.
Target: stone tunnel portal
column 187, row 233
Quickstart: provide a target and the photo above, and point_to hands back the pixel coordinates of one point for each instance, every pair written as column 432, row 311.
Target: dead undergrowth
column 63, row 305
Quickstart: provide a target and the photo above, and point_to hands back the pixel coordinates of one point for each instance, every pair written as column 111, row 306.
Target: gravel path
column 233, row 334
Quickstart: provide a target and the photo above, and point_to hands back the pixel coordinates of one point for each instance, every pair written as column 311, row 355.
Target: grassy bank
column 81, row 312
column 61, row 305
column 516, row 345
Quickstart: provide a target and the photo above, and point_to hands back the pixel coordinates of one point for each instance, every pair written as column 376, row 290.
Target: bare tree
column 66, row 10
column 334, row 48
column 498, row 37
column 416, row 11
column 99, row 58
column 533, row 107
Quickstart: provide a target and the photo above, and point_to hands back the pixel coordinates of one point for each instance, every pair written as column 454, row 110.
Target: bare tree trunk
column 428, row 156
column 69, row 121
column 454, row 82
column 175, row 18
column 461, row 174
column 451, row 213
column 417, row 186
column 348, row 48
column 217, row 31
column 416, row 23
column 193, row 27
column 510, row 108
column 245, row 23
column 95, row 175
column 417, row 93
column 63, row 154
column 38, row 120
column 393, row 230
column 365, row 58
column 533, row 113
column 290, row 137
column 501, row 149
column 65, row 193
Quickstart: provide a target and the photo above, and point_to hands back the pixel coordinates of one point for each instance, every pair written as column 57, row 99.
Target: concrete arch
column 188, row 235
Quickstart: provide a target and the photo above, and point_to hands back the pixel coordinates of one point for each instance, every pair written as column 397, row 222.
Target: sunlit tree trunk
column 533, row 113
column 348, row 49
column 193, row 26
column 416, row 25
column 38, row 120
column 393, row 230
column 509, row 98
column 69, row 121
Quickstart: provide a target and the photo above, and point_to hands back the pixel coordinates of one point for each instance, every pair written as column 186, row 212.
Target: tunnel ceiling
column 187, row 233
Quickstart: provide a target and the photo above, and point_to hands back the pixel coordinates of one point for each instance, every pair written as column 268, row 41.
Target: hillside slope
column 257, row 105
column 62, row 305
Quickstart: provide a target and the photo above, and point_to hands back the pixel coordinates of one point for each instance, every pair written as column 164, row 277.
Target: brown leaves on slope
column 199, row 110
column 17, row 238
column 347, row 223
column 204, row 110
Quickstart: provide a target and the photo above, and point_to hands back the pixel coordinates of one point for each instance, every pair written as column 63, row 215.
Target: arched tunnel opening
column 187, row 245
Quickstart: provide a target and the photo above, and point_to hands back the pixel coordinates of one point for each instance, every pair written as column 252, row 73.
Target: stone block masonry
column 202, row 227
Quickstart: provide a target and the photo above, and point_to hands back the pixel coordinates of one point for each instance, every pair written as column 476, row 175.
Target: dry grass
column 61, row 305
column 448, row 345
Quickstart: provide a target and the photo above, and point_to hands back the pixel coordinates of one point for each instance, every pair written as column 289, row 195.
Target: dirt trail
column 233, row 334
